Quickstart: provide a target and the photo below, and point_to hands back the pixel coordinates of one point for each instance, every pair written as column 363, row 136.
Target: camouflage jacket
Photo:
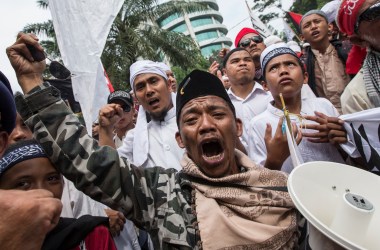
column 155, row 199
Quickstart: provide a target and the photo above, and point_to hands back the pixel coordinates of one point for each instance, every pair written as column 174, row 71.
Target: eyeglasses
column 368, row 15
column 247, row 42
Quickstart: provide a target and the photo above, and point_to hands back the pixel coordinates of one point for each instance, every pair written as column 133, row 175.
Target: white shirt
column 254, row 104
column 163, row 148
column 309, row 151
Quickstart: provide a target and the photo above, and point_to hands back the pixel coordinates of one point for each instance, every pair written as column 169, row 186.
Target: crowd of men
column 198, row 165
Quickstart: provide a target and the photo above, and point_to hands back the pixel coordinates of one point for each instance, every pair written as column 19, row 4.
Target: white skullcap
column 294, row 46
column 273, row 51
column 331, row 10
column 305, row 45
column 272, row 40
column 164, row 66
column 145, row 66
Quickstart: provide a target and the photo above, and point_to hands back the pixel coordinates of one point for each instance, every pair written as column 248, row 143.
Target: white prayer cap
column 145, row 66
column 273, row 51
column 305, row 45
column 164, row 66
column 331, row 10
column 294, row 46
column 272, row 40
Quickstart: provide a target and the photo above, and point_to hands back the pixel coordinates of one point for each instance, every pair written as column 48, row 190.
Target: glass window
column 180, row 28
column 169, row 19
column 200, row 22
column 208, row 50
column 206, row 35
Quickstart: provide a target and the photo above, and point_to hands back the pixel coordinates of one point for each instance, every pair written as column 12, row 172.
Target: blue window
column 200, row 22
column 206, row 35
column 180, row 28
column 208, row 50
column 169, row 19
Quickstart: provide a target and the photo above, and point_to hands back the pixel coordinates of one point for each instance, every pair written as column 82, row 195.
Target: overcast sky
column 16, row 14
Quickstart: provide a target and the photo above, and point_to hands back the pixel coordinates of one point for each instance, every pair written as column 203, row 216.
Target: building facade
column 206, row 27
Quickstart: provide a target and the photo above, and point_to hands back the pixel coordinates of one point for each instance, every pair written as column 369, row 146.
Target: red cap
column 243, row 32
column 348, row 13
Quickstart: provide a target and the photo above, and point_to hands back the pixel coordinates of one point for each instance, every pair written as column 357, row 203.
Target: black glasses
column 246, row 42
column 368, row 15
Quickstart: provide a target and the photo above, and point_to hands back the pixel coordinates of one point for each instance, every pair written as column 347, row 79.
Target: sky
column 16, row 14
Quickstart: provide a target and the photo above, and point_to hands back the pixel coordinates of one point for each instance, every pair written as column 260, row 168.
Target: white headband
column 145, row 66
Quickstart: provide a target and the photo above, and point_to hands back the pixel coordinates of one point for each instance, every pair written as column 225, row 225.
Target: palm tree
column 135, row 34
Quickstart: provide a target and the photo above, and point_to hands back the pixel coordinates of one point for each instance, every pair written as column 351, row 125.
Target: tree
column 269, row 9
column 135, row 34
column 303, row 6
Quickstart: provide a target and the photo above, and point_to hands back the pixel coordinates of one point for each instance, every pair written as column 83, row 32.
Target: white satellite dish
column 340, row 201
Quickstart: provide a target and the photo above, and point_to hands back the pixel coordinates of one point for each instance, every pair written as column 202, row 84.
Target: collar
column 329, row 50
column 169, row 115
column 256, row 88
column 279, row 112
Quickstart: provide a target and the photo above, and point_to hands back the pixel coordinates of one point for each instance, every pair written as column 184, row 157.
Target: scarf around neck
column 371, row 76
column 246, row 215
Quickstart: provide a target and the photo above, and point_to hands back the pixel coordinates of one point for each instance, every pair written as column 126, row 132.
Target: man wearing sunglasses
column 125, row 100
column 360, row 20
column 251, row 40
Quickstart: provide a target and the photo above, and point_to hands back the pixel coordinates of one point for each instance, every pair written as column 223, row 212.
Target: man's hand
column 337, row 132
column 213, row 69
column 109, row 115
column 277, row 146
column 321, row 125
column 26, row 217
column 28, row 71
column 116, row 220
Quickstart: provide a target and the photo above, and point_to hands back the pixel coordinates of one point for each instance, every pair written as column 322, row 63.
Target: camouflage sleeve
column 97, row 171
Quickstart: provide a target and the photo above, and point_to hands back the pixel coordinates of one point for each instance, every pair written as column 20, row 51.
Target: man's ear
column 265, row 85
column 3, row 142
column 224, row 72
column 179, row 140
column 305, row 77
column 239, row 127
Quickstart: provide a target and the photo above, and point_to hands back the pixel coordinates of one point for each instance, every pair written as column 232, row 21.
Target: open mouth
column 315, row 33
column 153, row 102
column 212, row 151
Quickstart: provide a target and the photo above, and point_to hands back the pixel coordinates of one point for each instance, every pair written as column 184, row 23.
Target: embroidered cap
column 19, row 152
column 197, row 84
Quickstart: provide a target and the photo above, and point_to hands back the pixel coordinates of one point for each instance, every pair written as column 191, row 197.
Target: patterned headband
column 273, row 51
column 20, row 152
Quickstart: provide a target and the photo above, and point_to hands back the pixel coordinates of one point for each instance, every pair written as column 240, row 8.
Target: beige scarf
column 244, row 216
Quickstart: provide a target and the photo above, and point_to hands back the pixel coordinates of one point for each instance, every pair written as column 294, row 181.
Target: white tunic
column 309, row 151
column 254, row 104
column 163, row 148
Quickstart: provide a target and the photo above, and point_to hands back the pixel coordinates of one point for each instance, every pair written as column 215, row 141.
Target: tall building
column 204, row 27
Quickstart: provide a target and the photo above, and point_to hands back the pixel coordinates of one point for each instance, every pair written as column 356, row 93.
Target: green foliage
column 303, row 6
column 262, row 6
column 180, row 73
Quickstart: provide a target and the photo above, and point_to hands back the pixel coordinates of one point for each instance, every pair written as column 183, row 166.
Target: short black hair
column 226, row 57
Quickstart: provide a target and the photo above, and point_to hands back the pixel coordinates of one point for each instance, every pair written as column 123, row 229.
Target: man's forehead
column 239, row 53
column 312, row 17
column 145, row 76
column 248, row 36
column 282, row 58
column 205, row 101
